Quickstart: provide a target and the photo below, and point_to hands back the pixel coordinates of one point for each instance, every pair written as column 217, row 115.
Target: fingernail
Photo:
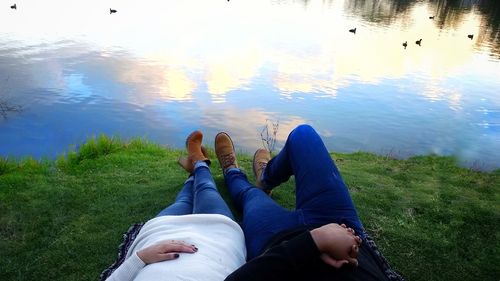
column 176, row 255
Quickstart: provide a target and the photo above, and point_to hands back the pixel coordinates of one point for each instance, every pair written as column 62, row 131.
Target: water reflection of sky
column 163, row 68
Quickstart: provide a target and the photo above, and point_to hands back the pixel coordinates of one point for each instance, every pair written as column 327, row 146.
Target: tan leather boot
column 224, row 149
column 195, row 152
column 260, row 160
column 185, row 163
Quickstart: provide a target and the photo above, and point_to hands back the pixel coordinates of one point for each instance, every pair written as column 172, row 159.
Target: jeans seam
column 302, row 219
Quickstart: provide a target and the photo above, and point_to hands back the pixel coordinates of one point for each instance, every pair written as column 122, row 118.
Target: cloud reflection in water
column 231, row 66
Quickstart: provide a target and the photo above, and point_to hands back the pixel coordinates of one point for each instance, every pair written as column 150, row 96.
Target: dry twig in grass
column 269, row 139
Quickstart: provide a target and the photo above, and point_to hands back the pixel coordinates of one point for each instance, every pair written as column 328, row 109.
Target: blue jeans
column 199, row 195
column 321, row 195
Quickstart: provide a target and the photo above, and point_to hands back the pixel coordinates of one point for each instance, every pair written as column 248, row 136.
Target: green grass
column 62, row 220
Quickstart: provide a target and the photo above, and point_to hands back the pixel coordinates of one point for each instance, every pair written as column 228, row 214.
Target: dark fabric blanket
column 133, row 231
column 389, row 272
column 128, row 239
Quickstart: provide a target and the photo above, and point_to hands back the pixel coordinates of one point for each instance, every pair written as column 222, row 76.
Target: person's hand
column 165, row 250
column 337, row 243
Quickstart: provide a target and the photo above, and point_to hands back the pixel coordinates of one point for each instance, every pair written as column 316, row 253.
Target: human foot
column 224, row 149
column 185, row 163
column 196, row 152
column 260, row 160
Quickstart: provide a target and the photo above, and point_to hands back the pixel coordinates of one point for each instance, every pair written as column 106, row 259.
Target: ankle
column 200, row 163
column 230, row 169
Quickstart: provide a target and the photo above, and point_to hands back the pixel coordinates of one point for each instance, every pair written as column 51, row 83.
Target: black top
column 293, row 255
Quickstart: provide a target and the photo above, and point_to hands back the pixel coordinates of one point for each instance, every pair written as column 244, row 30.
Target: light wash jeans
column 199, row 195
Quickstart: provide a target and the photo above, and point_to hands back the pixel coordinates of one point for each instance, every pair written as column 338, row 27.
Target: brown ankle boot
column 195, row 152
column 185, row 163
column 260, row 160
column 224, row 149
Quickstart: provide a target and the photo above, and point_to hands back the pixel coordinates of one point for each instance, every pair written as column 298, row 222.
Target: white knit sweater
column 220, row 243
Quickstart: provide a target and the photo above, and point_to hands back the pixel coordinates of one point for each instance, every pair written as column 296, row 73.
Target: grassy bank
column 63, row 220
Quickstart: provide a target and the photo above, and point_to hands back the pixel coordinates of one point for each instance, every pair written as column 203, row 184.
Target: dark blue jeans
column 199, row 195
column 321, row 195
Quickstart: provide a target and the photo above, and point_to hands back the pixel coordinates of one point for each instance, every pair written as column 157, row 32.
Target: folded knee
column 184, row 199
column 301, row 131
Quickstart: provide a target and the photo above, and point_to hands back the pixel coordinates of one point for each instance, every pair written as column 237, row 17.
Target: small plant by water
column 268, row 137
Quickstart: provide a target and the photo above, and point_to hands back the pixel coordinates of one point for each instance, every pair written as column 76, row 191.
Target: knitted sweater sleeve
column 128, row 270
column 281, row 262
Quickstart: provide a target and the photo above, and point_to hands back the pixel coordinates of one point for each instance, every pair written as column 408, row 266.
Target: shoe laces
column 227, row 160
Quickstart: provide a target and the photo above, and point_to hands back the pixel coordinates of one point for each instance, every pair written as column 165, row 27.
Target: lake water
column 160, row 69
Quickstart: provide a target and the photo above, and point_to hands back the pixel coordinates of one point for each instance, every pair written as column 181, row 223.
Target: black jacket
column 293, row 255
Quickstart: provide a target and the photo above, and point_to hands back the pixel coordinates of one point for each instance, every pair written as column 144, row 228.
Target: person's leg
column 207, row 200
column 321, row 194
column 262, row 216
column 183, row 204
